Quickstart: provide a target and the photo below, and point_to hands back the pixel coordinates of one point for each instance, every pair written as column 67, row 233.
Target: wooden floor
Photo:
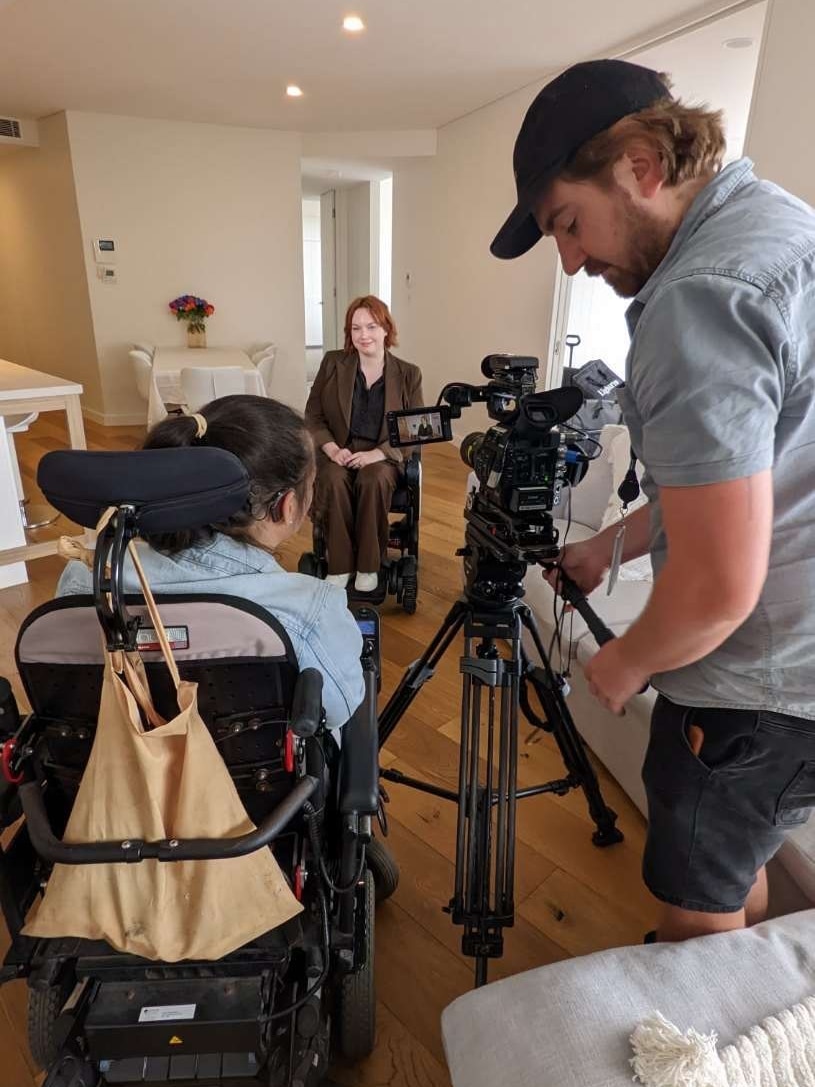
column 572, row 898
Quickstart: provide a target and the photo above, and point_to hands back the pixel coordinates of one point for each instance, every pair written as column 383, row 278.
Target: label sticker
column 147, row 641
column 166, row 1012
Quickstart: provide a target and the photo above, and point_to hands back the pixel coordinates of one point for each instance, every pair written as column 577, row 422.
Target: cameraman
column 720, row 405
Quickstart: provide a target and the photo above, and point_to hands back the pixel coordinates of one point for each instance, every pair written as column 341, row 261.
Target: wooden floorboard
column 572, row 897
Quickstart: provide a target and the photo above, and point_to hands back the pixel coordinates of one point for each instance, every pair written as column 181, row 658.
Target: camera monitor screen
column 419, row 426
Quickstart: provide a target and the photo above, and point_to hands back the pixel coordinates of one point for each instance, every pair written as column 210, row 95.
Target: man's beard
column 646, row 244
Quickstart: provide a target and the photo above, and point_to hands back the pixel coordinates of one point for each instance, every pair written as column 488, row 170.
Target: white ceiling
column 705, row 71
column 420, row 64
column 702, row 70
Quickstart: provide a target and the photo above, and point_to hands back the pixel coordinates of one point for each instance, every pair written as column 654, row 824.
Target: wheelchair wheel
column 356, row 1019
column 44, row 1007
column 383, row 868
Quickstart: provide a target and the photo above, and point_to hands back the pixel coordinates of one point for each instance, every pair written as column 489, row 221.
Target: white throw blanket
column 780, row 1052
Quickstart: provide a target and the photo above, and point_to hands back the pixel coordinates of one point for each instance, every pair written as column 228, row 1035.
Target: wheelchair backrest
column 238, row 654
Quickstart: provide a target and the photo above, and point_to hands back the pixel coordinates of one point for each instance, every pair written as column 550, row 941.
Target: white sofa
column 567, row 1024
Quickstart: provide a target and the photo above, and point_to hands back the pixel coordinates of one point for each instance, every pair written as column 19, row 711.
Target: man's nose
column 572, row 256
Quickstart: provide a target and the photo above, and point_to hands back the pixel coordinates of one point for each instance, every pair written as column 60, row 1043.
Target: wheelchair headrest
column 171, row 489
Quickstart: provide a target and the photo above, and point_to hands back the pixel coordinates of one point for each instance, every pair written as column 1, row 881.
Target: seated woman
column 357, row 468
column 236, row 558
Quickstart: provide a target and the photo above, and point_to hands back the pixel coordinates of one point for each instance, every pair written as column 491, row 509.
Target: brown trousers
column 353, row 504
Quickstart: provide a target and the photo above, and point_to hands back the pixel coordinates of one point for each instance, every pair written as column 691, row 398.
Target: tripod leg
column 485, row 853
column 420, row 671
column 568, row 739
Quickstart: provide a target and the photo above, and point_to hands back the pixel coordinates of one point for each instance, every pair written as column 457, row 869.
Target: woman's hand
column 585, row 563
column 362, row 460
column 339, row 456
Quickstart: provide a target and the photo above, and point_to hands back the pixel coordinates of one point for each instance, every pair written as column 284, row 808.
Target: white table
column 168, row 362
column 23, row 391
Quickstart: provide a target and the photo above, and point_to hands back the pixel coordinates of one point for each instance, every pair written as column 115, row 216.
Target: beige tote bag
column 162, row 782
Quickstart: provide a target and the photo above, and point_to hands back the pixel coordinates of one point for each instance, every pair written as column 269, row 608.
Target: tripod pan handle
column 572, row 594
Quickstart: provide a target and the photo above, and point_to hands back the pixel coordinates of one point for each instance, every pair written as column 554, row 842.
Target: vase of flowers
column 193, row 310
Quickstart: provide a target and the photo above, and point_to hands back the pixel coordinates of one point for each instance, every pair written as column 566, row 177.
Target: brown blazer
column 328, row 411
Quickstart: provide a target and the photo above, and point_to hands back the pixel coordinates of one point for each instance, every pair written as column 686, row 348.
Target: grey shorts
column 716, row 818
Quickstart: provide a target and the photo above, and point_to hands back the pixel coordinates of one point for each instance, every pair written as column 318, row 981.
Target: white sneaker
column 340, row 580
column 366, row 583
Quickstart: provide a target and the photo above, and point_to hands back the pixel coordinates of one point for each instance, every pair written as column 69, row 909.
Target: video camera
column 521, row 463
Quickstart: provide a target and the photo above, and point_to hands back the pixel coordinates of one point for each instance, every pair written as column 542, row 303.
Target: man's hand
column 613, row 678
column 362, row 460
column 585, row 563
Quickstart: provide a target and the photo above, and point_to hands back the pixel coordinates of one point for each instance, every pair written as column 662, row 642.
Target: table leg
column 12, row 536
column 76, row 436
column 76, row 427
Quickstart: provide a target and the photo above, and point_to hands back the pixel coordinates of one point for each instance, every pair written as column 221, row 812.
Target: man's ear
column 642, row 167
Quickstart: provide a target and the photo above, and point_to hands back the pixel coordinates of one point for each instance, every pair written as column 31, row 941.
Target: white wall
column 454, row 302
column 205, row 209
column 778, row 134
column 45, row 316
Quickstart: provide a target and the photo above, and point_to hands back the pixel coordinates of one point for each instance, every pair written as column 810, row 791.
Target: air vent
column 10, row 128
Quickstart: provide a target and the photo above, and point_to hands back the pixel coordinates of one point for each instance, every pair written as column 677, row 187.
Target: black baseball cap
column 579, row 104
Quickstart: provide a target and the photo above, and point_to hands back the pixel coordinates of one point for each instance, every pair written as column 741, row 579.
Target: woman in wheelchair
column 236, row 558
column 357, row 468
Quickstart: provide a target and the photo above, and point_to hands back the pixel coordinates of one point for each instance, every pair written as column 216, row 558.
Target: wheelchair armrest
column 359, row 760
column 307, row 704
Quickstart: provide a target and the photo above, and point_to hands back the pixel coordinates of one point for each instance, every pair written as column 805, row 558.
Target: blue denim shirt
column 323, row 632
column 720, row 385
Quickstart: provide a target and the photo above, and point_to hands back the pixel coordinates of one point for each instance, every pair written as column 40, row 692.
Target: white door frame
column 558, row 329
column 328, row 267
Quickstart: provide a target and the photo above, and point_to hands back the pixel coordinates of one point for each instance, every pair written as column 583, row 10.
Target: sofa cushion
column 568, row 1024
column 798, row 857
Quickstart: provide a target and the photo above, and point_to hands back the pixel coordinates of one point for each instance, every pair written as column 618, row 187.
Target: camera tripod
column 492, row 611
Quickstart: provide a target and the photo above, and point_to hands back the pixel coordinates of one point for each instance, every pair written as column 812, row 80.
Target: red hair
column 380, row 313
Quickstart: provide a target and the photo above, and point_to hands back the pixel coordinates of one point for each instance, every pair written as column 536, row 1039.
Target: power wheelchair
column 270, row 1012
column 399, row 575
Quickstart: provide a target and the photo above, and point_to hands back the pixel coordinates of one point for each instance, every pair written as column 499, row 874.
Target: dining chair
column 258, row 350
column 265, row 366
column 143, row 369
column 200, row 384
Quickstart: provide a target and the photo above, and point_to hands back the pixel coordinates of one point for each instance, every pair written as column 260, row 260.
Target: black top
column 367, row 408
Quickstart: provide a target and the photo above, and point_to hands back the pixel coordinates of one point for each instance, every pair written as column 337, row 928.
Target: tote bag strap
column 134, row 677
column 121, row 661
column 124, row 666
column 158, row 626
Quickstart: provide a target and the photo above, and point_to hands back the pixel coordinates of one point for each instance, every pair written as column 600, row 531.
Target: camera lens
column 469, row 448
